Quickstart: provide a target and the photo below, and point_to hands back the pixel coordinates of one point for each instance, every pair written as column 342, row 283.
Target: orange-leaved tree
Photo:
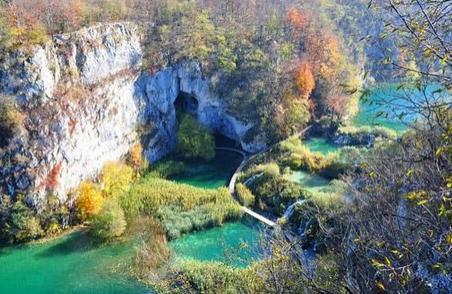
column 90, row 200
column 299, row 21
column 304, row 79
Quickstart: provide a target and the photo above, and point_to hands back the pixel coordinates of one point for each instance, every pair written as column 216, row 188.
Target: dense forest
column 384, row 222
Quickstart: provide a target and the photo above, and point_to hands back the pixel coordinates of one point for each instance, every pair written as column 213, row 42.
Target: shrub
column 89, row 201
column 11, row 121
column 116, row 178
column 194, row 141
column 271, row 168
column 20, row 223
column 109, row 222
column 135, row 158
column 297, row 156
column 275, row 193
column 361, row 131
column 244, row 195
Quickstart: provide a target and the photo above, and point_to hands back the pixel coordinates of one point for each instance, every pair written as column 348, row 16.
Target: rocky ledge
column 87, row 102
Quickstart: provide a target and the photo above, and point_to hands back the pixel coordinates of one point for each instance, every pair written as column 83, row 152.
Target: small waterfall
column 289, row 211
column 251, row 179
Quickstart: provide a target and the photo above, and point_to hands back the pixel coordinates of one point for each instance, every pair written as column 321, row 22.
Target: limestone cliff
column 87, row 102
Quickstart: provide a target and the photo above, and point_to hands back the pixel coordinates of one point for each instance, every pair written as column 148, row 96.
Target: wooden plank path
column 246, row 159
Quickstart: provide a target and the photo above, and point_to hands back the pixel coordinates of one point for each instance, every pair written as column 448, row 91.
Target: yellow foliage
column 135, row 157
column 90, row 200
column 116, row 178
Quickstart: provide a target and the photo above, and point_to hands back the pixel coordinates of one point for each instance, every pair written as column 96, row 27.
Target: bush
column 135, row 158
column 116, row 178
column 109, row 222
column 11, row 121
column 18, row 221
column 89, row 201
column 275, row 193
column 194, row 141
column 358, row 133
column 297, row 156
column 244, row 195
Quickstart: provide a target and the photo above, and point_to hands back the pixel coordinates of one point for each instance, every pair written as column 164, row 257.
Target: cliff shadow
column 80, row 241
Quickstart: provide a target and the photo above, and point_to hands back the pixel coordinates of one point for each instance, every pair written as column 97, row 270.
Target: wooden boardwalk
column 245, row 161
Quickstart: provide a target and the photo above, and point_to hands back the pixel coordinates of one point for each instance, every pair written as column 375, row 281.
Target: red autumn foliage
column 55, row 15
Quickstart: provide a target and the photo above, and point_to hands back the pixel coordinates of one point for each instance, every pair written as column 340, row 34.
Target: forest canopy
column 249, row 44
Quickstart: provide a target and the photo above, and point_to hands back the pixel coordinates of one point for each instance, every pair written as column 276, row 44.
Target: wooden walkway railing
column 245, row 161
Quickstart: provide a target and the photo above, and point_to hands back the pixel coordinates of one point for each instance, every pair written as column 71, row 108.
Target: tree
column 292, row 115
column 116, row 178
column 194, row 140
column 89, row 201
column 304, row 79
column 110, row 222
column 19, row 223
column 299, row 21
column 422, row 31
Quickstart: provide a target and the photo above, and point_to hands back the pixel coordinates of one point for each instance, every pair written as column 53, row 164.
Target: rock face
column 87, row 102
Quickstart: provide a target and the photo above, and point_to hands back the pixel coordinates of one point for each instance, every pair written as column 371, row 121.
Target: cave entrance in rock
column 186, row 103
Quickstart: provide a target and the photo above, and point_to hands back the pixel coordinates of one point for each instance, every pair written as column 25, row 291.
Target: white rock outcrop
column 87, row 103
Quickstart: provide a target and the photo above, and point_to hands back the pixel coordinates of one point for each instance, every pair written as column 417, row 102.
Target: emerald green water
column 73, row 264
column 236, row 244
column 211, row 174
column 375, row 111
column 312, row 183
column 384, row 106
column 389, row 106
column 321, row 145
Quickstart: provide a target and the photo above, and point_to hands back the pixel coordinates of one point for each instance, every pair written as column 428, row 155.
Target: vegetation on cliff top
column 282, row 45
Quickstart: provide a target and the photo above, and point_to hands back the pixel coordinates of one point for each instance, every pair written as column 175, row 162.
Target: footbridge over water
column 246, row 159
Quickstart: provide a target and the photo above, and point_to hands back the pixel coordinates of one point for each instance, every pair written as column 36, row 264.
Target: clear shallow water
column 385, row 100
column 236, row 244
column 70, row 264
column 392, row 104
column 369, row 110
column 321, row 145
column 312, row 183
column 211, row 174
column 73, row 264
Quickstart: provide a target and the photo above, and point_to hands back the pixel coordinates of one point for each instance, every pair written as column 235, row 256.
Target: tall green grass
column 180, row 208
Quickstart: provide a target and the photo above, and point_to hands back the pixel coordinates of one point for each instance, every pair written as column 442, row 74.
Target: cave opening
column 186, row 103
